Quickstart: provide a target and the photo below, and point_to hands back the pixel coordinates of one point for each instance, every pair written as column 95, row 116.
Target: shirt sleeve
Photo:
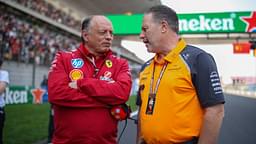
column 207, row 81
column 4, row 80
column 59, row 91
column 113, row 92
column 4, row 76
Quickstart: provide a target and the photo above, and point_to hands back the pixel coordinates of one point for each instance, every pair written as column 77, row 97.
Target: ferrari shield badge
column 108, row 63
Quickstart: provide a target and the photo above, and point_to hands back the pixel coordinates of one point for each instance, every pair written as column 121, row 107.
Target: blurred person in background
column 4, row 81
column 50, row 126
column 180, row 94
column 85, row 84
column 44, row 85
column 25, row 41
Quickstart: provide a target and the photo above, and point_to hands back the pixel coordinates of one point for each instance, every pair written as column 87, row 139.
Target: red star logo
column 250, row 22
column 38, row 95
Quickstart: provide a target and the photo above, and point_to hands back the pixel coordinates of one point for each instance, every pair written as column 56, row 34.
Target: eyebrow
column 144, row 27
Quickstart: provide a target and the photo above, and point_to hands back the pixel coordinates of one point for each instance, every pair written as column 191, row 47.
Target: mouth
column 106, row 44
column 146, row 42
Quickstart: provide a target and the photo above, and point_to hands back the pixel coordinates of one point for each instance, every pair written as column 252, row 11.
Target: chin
column 150, row 50
column 105, row 49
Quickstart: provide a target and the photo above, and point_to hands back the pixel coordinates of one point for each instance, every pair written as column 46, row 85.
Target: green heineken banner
column 23, row 94
column 200, row 23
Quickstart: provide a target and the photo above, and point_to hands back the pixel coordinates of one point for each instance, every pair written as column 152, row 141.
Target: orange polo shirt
column 177, row 113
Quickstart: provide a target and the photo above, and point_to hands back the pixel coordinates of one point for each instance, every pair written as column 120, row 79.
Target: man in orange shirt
column 180, row 94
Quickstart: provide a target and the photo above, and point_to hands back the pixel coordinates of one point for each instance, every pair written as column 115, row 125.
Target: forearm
column 2, row 87
column 110, row 93
column 61, row 94
column 211, row 124
column 70, row 98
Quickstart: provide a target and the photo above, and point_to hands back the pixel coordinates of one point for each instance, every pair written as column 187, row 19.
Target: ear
column 85, row 35
column 164, row 26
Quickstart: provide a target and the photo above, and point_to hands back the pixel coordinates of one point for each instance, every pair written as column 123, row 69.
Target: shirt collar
column 172, row 55
column 85, row 52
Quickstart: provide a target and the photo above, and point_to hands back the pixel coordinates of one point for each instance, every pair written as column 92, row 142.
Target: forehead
column 148, row 19
column 101, row 23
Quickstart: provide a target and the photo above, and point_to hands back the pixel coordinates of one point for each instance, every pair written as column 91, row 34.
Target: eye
column 106, row 32
column 111, row 33
column 144, row 29
column 102, row 32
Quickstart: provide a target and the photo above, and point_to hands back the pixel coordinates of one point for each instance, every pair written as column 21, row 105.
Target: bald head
column 99, row 19
column 86, row 23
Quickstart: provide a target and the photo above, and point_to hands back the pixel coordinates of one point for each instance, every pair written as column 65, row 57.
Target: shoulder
column 4, row 73
column 146, row 64
column 65, row 55
column 192, row 51
column 60, row 59
column 117, row 60
column 191, row 54
column 4, row 76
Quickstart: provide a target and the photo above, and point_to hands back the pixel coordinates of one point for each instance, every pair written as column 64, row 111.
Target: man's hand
column 73, row 84
column 2, row 86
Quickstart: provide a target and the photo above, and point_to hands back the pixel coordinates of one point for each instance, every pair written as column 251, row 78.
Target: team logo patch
column 108, row 63
column 107, row 74
column 77, row 63
column 76, row 74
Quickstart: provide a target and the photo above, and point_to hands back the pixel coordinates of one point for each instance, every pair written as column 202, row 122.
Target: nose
column 109, row 36
column 142, row 35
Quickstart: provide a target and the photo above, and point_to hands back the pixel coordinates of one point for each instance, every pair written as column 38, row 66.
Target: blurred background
column 32, row 31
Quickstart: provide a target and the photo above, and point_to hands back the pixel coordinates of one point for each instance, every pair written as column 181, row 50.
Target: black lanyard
column 153, row 91
column 96, row 69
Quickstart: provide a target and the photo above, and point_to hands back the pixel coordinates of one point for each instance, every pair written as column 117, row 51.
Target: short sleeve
column 207, row 81
column 4, row 76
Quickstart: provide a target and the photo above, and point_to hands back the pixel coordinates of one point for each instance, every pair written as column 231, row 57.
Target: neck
column 169, row 46
column 95, row 54
column 160, row 57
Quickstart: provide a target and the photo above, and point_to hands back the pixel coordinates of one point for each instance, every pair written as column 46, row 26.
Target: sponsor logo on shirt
column 107, row 76
column 215, row 81
column 76, row 74
column 186, row 56
column 77, row 63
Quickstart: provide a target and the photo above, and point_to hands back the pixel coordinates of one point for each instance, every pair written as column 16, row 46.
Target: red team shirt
column 82, row 115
